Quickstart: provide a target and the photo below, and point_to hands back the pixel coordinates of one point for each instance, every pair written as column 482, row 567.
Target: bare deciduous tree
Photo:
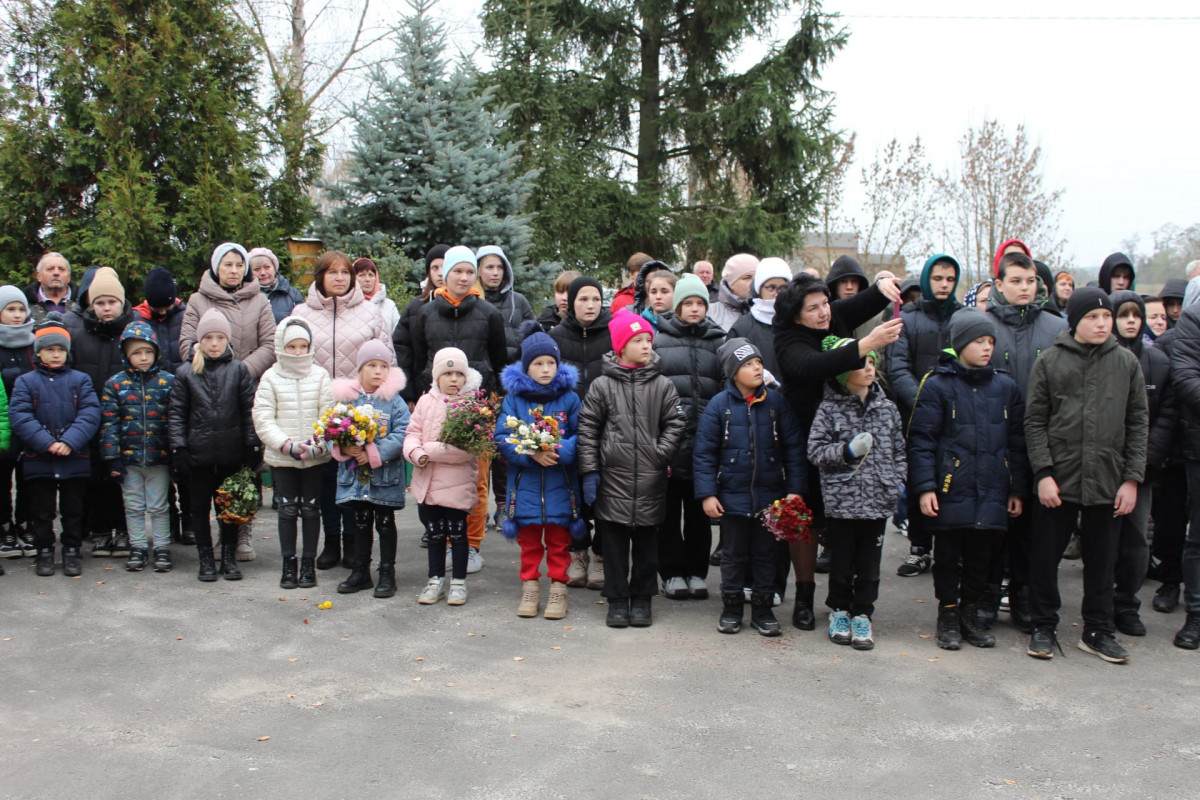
column 895, row 219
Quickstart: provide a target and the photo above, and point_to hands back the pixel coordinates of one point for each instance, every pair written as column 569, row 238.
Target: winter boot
column 618, row 612
column 72, row 562
column 949, row 636
column 803, row 617
column 229, row 567
column 1188, row 636
column 731, row 613
column 386, row 585
column 45, row 561
column 331, row 556
column 972, row 627
column 989, row 605
column 138, row 556
column 348, row 546
column 578, row 570
column 530, row 599
column 640, row 615
column 761, row 616
column 162, row 559
column 595, row 573
column 556, row 602
column 288, row 579
column 308, row 573
column 208, row 569
column 245, row 550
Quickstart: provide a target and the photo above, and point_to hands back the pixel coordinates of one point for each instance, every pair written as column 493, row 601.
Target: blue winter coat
column 387, row 484
column 967, row 443
column 55, row 405
column 748, row 455
column 133, row 408
column 540, row 495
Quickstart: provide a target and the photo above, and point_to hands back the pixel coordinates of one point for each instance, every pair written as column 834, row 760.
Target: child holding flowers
column 370, row 479
column 537, row 435
column 289, row 400
column 444, row 476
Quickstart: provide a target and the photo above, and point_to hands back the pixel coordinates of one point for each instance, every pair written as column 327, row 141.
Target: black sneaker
column 640, row 615
column 10, row 545
column 137, row 560
column 72, row 562
column 618, row 612
column 101, row 545
column 45, row 562
column 162, row 559
column 916, row 564
column 187, row 537
column 1129, row 623
column 1166, row 599
column 120, row 544
column 1041, row 643
column 25, row 537
column 1102, row 643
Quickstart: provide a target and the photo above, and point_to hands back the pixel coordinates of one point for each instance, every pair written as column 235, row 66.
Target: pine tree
column 426, row 166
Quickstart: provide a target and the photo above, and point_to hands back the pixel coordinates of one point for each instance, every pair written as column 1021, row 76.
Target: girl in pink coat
column 443, row 477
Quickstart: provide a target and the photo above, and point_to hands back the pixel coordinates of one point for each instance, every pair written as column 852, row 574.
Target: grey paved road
column 145, row 685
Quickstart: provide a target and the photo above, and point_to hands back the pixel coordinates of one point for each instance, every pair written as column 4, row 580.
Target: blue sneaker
column 861, row 638
column 839, row 627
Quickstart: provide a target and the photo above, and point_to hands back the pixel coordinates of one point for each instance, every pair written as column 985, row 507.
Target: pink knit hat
column 213, row 321
column 624, row 326
column 373, row 350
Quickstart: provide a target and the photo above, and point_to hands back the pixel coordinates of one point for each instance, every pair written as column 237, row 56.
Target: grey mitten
column 860, row 445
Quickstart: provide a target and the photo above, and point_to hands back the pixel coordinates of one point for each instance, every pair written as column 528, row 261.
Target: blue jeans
column 145, row 492
column 1191, row 545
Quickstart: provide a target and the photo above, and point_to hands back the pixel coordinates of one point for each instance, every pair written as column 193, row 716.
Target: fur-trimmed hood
column 517, row 381
column 347, row 390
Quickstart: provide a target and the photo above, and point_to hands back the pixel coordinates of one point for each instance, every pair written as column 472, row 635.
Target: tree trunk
column 649, row 149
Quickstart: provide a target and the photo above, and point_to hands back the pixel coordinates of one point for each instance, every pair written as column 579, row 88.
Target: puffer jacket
column 728, row 308
column 540, row 495
column 584, row 348
column 387, row 309
column 1087, row 406
column 250, row 320
column 1156, row 369
column 762, row 336
column 448, row 479
column 133, row 408
column 385, row 455
column 926, row 333
column 55, row 405
column 857, row 488
column 96, row 345
column 688, row 356
column 966, row 442
column 748, row 455
column 283, row 298
column 1023, row 333
column 402, row 344
column 166, row 329
column 474, row 326
column 513, row 307
column 549, row 318
column 630, row 428
column 211, row 414
column 340, row 326
column 291, row 396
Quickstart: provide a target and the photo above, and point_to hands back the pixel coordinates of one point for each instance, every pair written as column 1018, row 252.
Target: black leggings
column 9, row 468
column 205, row 480
column 384, row 520
column 298, row 495
column 443, row 523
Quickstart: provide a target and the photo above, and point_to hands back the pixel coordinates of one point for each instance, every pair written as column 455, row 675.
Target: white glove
column 860, row 445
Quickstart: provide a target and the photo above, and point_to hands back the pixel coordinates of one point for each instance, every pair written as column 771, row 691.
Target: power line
column 1019, row 18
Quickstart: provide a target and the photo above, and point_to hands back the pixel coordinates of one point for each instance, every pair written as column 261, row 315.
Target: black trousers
column 1019, row 544
column 961, row 562
column 748, row 555
column 383, row 518
column 1098, row 540
column 920, row 535
column 104, row 502
column 499, row 480
column 685, row 537
column 855, row 549
column 336, row 520
column 205, row 481
column 71, row 494
column 1133, row 554
column 10, row 468
column 1170, row 512
column 623, row 578
column 444, row 524
column 298, row 495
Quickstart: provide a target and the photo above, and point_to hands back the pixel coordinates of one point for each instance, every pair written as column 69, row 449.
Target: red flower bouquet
column 790, row 520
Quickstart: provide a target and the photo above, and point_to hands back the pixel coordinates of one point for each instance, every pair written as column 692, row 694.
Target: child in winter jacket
column 967, row 464
column 290, row 399
column 212, row 434
column 16, row 358
column 749, row 452
column 375, row 498
column 543, row 503
column 134, row 444
column 55, row 414
column 630, row 427
column 858, row 443
column 445, row 476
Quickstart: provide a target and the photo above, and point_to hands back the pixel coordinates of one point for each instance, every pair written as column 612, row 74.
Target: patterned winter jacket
column 858, row 488
column 133, row 407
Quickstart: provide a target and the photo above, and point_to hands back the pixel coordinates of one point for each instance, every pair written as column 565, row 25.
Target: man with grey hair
column 52, row 289
column 1193, row 269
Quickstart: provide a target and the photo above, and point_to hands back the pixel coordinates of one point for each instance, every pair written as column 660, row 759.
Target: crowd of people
column 1029, row 421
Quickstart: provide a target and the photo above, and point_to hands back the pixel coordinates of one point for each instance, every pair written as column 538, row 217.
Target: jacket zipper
column 634, row 418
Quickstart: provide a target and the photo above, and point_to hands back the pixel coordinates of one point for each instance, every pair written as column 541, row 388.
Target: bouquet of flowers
column 789, row 520
column 237, row 497
column 348, row 425
column 470, row 422
column 542, row 435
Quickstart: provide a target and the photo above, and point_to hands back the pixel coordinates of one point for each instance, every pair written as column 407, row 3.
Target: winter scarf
column 14, row 336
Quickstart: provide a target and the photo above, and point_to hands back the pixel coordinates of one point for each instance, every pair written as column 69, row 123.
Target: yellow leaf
column 518, row 658
column 293, row 660
column 924, row 635
column 263, row 738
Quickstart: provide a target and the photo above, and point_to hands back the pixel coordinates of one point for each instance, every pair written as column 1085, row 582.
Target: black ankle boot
column 731, row 613
column 618, row 612
column 45, row 561
column 972, row 627
column 331, row 556
column 802, row 612
column 949, row 634
column 386, row 585
column 989, row 605
column 229, row 567
column 72, row 562
column 640, row 615
column 288, row 579
column 761, row 616
column 208, row 569
column 359, row 580
column 308, row 573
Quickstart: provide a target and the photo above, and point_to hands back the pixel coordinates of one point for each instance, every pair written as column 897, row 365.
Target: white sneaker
column 458, row 592
column 675, row 589
column 434, row 590
column 697, row 588
column 776, row 601
column 474, row 563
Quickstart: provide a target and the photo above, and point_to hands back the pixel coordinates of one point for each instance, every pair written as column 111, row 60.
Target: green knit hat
column 689, row 285
column 833, row 342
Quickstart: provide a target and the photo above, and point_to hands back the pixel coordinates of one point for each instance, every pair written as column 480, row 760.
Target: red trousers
column 557, row 539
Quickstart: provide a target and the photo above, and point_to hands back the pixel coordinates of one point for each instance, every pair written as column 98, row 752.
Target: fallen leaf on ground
column 416, row 680
column 317, row 704
column 451, row 684
column 1010, row 783
column 418, row 658
column 293, row 660
column 924, row 635
column 518, row 658
column 291, row 696
column 305, row 622
column 556, row 648
column 568, row 627
column 263, row 738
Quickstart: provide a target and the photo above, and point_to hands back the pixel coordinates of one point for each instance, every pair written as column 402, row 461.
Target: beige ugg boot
column 578, row 569
column 531, row 595
column 595, row 576
column 556, row 605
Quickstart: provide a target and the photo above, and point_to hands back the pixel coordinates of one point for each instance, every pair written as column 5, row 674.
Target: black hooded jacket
column 1106, row 269
column 846, row 267
column 584, row 348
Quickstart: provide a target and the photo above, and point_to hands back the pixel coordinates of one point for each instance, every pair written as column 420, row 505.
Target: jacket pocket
column 387, row 475
column 346, row 474
column 948, row 465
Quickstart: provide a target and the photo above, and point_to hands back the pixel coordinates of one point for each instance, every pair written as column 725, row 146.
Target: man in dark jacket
column 1185, row 366
column 925, row 335
column 1086, row 427
column 53, row 290
column 846, row 278
column 1116, row 273
column 1172, row 295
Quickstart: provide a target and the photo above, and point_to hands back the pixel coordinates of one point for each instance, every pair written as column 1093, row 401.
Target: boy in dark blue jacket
column 968, row 468
column 748, row 453
column 55, row 413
